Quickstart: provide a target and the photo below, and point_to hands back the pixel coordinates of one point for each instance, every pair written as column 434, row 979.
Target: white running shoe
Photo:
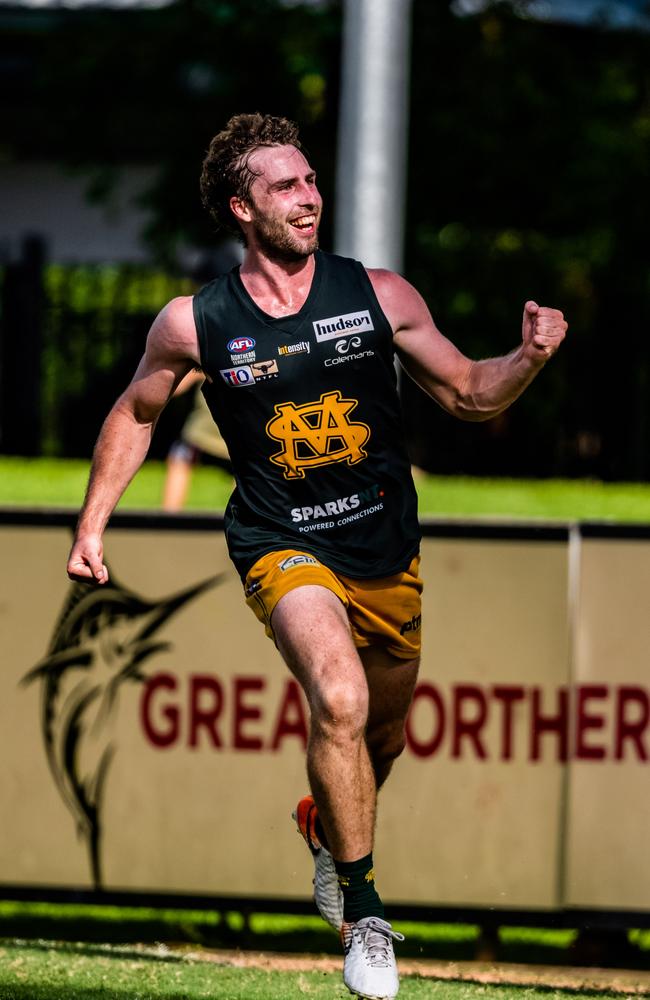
column 369, row 968
column 327, row 893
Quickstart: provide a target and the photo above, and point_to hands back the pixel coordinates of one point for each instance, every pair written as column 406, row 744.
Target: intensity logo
column 286, row 350
column 101, row 641
column 317, row 434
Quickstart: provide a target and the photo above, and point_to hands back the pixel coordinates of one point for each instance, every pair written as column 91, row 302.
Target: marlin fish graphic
column 101, row 640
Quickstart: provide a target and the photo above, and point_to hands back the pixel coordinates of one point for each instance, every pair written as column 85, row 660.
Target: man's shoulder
column 177, row 314
column 174, row 328
column 383, row 280
column 391, row 284
column 398, row 298
column 394, row 293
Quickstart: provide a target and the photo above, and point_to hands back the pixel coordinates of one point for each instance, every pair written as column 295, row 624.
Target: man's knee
column 340, row 708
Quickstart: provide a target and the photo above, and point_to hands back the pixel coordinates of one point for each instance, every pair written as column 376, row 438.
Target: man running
column 297, row 349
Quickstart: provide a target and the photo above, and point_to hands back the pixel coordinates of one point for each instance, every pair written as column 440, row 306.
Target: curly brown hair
column 226, row 167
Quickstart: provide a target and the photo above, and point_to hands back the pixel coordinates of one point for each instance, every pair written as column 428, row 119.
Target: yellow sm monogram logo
column 316, row 434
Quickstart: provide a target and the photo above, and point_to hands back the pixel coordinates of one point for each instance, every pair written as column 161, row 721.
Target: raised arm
column 471, row 390
column 171, row 352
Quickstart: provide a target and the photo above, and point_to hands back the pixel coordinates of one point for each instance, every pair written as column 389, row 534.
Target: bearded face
column 283, row 206
column 286, row 240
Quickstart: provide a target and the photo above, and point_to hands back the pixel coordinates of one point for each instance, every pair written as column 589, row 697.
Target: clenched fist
column 86, row 560
column 543, row 330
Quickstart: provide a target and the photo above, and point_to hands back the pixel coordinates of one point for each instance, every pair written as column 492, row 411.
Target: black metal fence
column 70, row 339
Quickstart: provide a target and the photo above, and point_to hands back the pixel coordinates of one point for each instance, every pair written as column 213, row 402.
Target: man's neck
column 279, row 288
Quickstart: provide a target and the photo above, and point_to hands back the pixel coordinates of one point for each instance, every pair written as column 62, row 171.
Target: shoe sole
column 370, row 996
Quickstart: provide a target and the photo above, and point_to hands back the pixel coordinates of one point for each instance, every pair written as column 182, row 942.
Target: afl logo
column 241, row 344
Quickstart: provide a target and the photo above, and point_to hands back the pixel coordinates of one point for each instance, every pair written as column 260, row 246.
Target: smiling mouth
column 304, row 224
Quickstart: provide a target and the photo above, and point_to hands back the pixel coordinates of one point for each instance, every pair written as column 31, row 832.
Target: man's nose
column 308, row 197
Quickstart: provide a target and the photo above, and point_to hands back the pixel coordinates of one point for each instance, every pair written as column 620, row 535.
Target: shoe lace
column 376, row 937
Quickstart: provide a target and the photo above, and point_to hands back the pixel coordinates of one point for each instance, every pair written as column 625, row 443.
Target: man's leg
column 180, row 463
column 391, row 683
column 313, row 634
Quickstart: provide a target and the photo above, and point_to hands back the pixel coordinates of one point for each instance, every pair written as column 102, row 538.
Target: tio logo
column 238, row 376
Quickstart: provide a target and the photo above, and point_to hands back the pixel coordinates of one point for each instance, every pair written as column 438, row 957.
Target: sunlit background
column 526, row 176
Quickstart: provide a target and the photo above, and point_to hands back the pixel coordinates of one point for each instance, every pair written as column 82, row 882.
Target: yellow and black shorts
column 383, row 612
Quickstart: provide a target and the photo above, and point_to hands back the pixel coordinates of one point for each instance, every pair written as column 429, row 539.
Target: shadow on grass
column 609, row 949
column 90, row 950
column 113, row 931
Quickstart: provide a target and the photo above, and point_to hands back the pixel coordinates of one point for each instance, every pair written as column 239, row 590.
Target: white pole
column 372, row 153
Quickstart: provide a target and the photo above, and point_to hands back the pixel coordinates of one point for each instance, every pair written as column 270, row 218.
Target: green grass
column 298, row 934
column 49, row 482
column 51, row 951
column 554, row 499
column 43, row 970
column 61, row 483
column 290, row 933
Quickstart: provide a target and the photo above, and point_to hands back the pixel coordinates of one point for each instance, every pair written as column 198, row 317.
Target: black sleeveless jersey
column 308, row 407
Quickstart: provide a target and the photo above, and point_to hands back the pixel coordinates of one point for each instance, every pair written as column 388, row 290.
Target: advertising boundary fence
column 567, row 910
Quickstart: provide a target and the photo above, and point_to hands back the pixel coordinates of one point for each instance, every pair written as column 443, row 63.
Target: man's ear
column 240, row 209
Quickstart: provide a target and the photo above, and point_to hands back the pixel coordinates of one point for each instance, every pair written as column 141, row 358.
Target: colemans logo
column 316, row 434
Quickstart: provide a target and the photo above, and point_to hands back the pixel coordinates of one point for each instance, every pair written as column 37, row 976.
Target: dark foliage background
column 528, row 178
column 529, row 171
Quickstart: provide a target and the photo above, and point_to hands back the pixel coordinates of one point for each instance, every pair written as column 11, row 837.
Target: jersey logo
column 315, row 434
column 239, row 344
column 348, row 323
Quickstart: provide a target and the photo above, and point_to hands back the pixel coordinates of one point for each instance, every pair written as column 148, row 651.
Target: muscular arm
column 171, row 351
column 471, row 390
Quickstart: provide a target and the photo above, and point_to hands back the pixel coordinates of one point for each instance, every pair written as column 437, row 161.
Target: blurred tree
column 96, row 89
column 528, row 178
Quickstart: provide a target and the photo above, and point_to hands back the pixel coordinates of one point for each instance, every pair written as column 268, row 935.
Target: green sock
column 357, row 882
